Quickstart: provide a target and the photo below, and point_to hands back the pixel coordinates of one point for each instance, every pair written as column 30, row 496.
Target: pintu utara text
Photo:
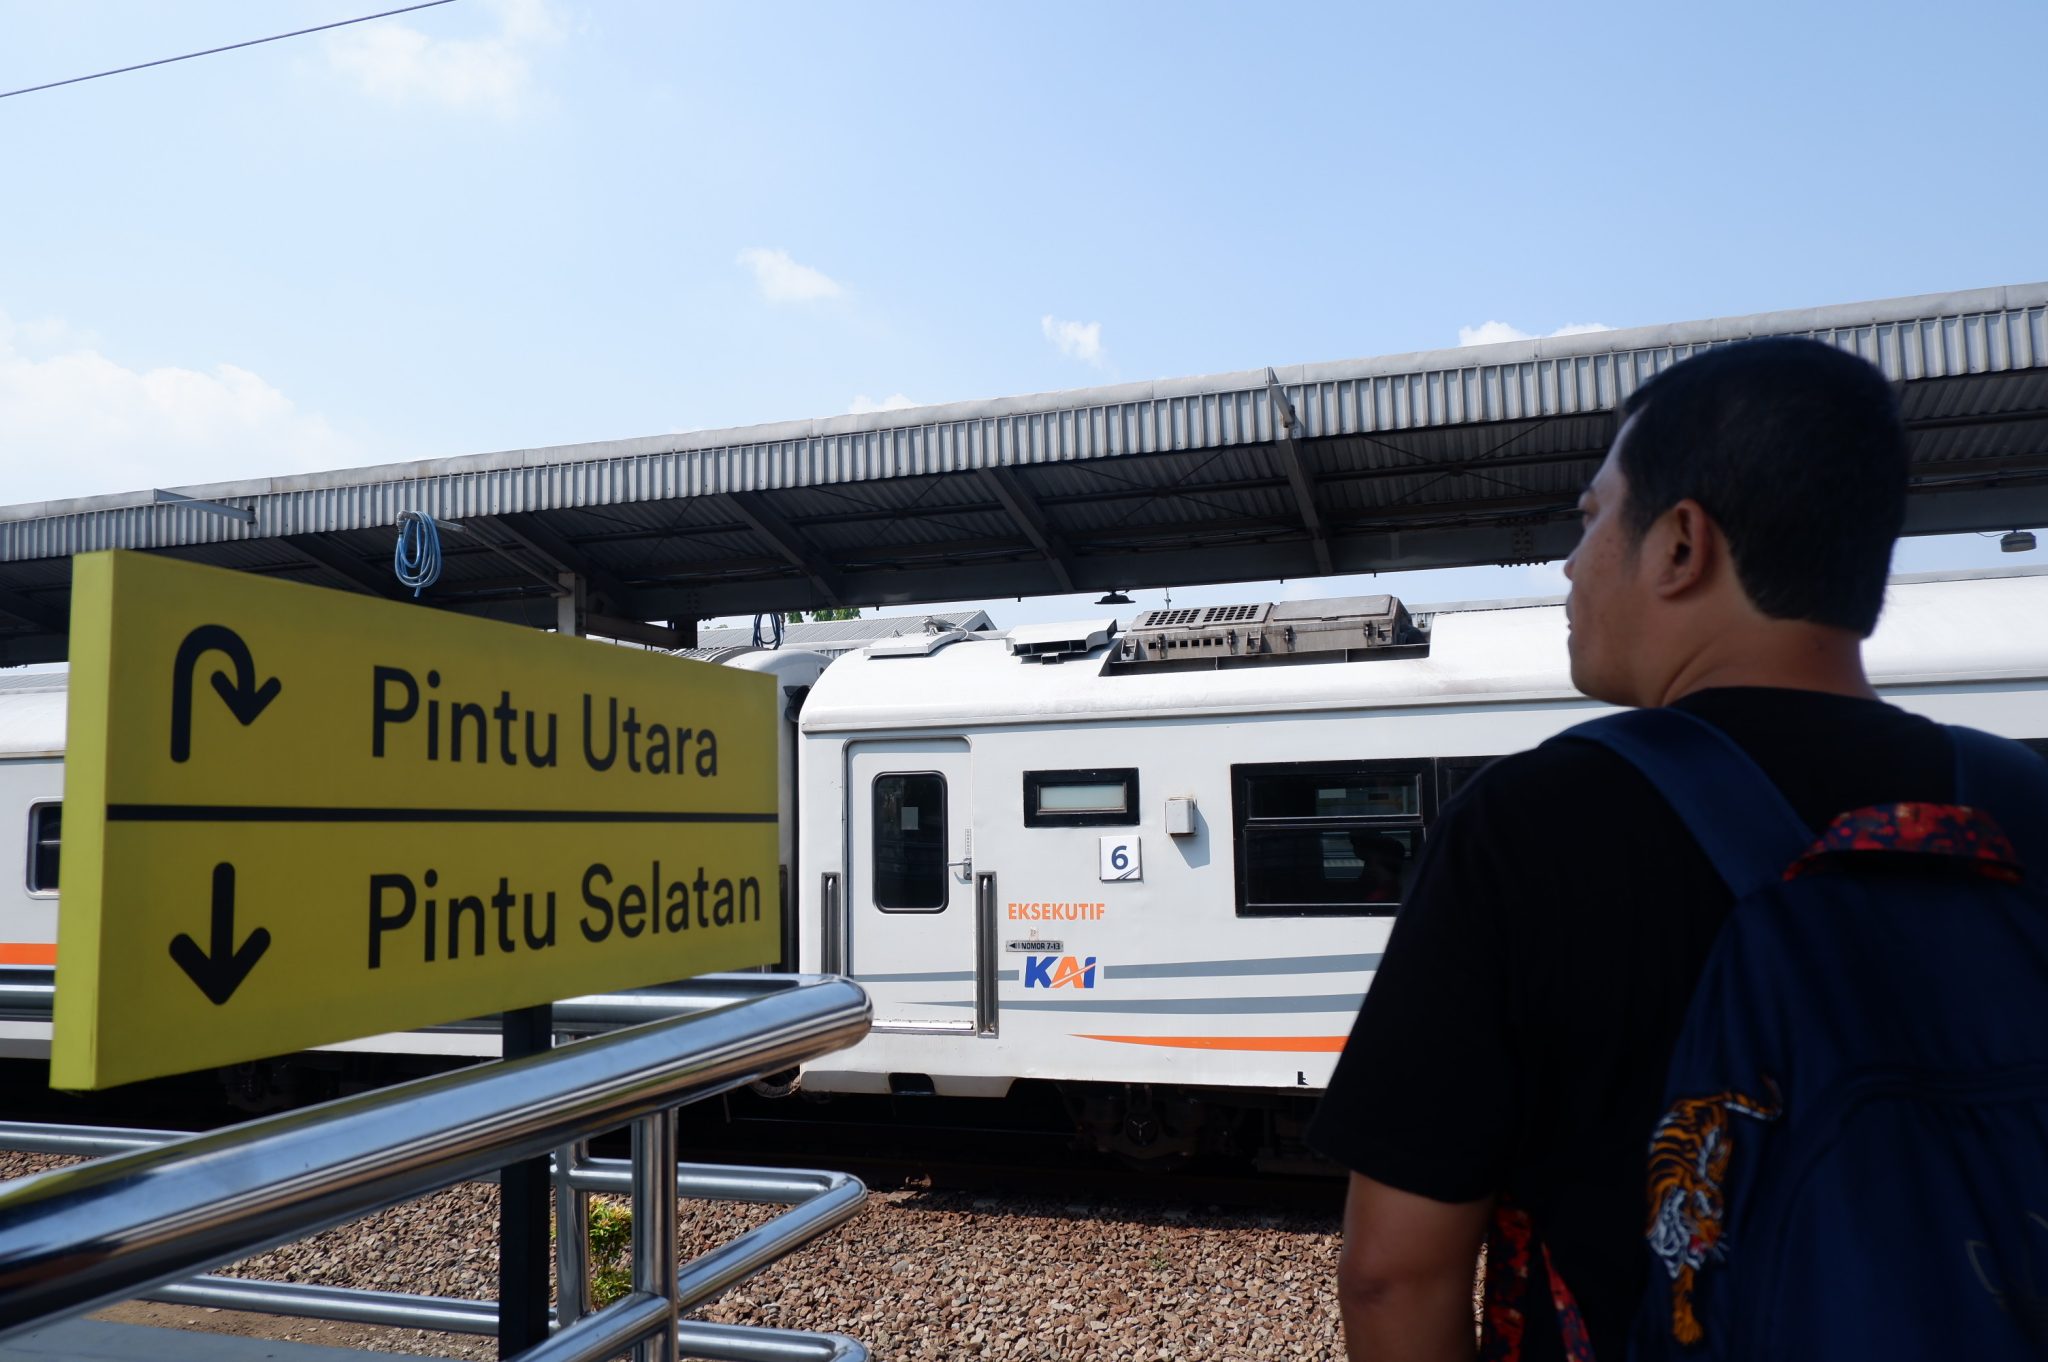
column 483, row 732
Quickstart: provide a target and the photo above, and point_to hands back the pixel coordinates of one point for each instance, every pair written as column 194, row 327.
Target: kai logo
column 1059, row 971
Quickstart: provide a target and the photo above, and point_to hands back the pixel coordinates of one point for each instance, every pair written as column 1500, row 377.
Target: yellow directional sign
column 294, row 816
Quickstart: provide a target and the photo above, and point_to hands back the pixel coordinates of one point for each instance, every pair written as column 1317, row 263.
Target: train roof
column 32, row 713
column 1937, row 628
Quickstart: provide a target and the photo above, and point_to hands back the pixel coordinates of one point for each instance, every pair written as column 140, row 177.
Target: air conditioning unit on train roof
column 1343, row 629
column 1055, row 642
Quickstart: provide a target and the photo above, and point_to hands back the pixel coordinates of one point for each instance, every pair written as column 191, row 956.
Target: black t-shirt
column 1515, row 1039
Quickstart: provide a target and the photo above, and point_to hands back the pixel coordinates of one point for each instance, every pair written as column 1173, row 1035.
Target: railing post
column 572, row 1235
column 654, row 1224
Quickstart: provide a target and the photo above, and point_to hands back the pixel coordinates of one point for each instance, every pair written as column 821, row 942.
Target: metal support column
column 654, row 1225
column 572, row 1236
column 569, row 605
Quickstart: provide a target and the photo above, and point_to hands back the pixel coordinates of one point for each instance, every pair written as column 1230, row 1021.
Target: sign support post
column 524, row 1195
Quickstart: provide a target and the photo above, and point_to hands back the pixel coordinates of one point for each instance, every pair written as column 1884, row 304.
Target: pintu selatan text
column 408, row 720
column 503, row 920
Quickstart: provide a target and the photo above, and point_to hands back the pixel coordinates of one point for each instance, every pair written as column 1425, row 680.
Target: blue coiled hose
column 417, row 559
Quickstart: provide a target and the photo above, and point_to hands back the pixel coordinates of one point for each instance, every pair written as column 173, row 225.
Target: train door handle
column 832, row 926
column 985, row 1015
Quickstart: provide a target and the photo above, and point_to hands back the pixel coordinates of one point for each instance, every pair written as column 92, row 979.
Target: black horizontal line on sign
column 286, row 813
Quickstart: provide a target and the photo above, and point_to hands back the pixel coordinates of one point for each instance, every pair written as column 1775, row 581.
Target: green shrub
column 611, row 1250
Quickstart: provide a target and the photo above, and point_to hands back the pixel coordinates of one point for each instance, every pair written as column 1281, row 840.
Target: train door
column 910, row 883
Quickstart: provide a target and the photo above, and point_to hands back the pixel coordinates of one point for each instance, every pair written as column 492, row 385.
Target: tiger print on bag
column 1689, row 1154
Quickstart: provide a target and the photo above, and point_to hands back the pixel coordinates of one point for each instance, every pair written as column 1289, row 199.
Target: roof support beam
column 560, row 556
column 33, row 611
column 1004, row 485
column 785, row 540
column 321, row 552
column 637, row 631
column 1286, row 426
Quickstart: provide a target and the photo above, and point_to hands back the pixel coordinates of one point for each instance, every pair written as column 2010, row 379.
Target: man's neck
column 1781, row 654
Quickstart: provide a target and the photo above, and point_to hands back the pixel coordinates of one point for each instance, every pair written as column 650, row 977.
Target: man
column 1508, row 1065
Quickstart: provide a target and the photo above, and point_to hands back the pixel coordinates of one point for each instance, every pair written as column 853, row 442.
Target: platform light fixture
column 1118, row 598
column 2018, row 541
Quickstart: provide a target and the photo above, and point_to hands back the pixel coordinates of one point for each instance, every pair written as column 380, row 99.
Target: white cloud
column 863, row 404
column 1075, row 340
column 1493, row 333
column 782, row 280
column 400, row 63
column 75, row 423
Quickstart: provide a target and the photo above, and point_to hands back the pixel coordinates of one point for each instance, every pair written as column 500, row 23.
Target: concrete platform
column 92, row 1340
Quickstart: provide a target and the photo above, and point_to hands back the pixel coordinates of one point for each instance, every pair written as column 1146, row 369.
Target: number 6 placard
column 1120, row 859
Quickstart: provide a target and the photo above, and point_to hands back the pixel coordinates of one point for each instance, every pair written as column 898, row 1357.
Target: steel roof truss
column 785, row 540
column 322, row 552
column 1005, row 486
column 561, row 556
column 1286, row 425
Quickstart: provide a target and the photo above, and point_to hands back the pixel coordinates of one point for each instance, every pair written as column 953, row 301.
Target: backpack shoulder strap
column 2008, row 781
column 1733, row 810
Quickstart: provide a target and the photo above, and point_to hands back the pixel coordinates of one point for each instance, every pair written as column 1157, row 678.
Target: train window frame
column 32, row 862
column 1126, row 817
column 1453, row 774
column 1415, row 826
column 875, row 824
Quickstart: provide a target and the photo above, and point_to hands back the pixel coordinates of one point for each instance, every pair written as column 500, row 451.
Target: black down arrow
column 244, row 697
column 220, row 971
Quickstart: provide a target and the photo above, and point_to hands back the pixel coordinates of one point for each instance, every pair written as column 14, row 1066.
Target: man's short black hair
column 1796, row 450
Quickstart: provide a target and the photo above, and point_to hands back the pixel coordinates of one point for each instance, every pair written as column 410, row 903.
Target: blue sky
column 508, row 223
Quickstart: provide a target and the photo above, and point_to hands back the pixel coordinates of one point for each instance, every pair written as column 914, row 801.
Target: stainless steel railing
column 27, row 991
column 818, row 1200
column 133, row 1224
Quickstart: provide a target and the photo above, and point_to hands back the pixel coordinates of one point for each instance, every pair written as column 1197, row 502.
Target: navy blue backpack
column 1853, row 1159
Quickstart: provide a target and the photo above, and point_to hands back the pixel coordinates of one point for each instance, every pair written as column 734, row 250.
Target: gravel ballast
column 916, row 1274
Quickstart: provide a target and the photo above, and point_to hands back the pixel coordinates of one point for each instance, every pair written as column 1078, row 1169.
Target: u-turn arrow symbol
column 245, row 699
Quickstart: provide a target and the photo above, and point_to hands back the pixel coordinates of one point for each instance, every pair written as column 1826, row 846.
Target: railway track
column 1001, row 1148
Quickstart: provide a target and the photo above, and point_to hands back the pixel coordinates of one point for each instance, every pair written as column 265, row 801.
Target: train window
column 910, row 842
column 1317, row 838
column 1081, row 799
column 45, row 829
column 1453, row 772
column 1331, row 791
column 2040, row 745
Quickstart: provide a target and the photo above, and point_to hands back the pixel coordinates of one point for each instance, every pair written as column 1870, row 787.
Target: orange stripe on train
column 27, row 953
column 1291, row 1044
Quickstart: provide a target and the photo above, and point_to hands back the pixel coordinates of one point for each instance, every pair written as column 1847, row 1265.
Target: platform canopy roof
column 1437, row 459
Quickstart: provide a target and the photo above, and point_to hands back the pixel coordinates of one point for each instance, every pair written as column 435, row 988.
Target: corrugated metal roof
column 1432, row 459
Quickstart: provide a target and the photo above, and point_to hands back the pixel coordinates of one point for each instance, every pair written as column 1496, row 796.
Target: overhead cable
column 252, row 42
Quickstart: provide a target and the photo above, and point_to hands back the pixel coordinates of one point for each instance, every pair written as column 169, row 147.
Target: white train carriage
column 31, row 800
column 1168, row 858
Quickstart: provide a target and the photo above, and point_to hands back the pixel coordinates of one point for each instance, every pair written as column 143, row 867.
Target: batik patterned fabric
column 1511, row 1254
column 1953, row 831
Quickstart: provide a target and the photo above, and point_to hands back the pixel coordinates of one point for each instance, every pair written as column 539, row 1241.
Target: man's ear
column 1685, row 548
